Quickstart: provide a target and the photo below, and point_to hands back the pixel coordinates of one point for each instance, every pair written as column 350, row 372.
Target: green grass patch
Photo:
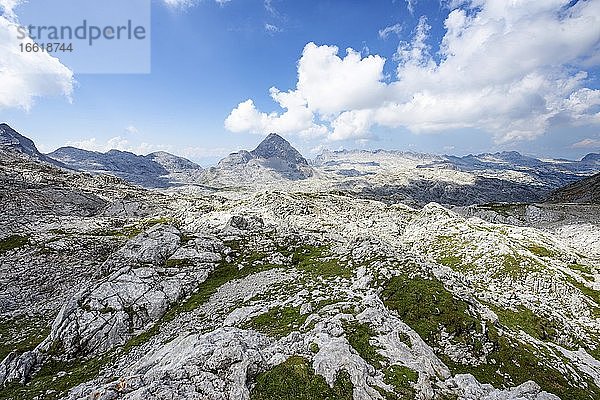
column 451, row 261
column 401, row 378
column 295, row 379
column 12, row 242
column 517, row 266
column 223, row 273
column 22, row 334
column 47, row 385
column 426, row 306
column 176, row 262
column 524, row 319
column 582, row 268
column 318, row 261
column 589, row 292
column 359, row 336
column 314, row 348
column 278, row 321
column 447, row 248
column 540, row 251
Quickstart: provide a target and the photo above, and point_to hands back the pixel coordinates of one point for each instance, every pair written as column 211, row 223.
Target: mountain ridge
column 13, row 141
column 587, row 190
column 151, row 170
column 273, row 158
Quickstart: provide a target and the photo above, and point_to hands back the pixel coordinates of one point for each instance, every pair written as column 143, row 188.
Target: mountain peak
column 274, row 146
column 13, row 141
column 591, row 157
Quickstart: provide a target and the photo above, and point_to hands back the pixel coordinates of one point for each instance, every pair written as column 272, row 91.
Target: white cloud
column 331, row 84
column 182, row 4
column 587, row 144
column 498, row 70
column 410, row 5
column 116, row 143
column 388, row 30
column 272, row 28
column 132, row 130
column 270, row 8
column 143, row 148
column 8, row 7
column 129, row 141
column 26, row 76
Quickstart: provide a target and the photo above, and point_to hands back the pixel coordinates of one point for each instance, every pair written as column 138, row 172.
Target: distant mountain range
column 395, row 176
column 586, row 190
column 153, row 170
column 273, row 158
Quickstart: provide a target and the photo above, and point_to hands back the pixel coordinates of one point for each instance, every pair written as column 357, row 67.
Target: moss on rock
column 295, row 379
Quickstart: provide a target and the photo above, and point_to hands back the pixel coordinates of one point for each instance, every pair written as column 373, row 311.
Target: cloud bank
column 511, row 69
column 27, row 76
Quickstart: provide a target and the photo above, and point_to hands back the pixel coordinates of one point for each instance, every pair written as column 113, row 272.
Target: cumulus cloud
column 27, row 76
column 497, row 70
column 7, row 8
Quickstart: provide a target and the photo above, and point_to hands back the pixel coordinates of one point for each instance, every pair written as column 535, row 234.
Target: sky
column 438, row 76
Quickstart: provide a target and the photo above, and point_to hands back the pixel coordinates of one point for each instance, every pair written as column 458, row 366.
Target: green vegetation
column 451, row 261
column 12, row 242
column 540, row 251
column 401, row 378
column 426, row 306
column 176, row 262
column 186, row 238
column 21, row 334
column 131, row 231
column 295, row 379
column 504, row 209
column 524, row 319
column 316, row 260
column 314, row 348
column 278, row 321
column 359, row 336
column 511, row 265
column 582, row 268
column 47, row 385
column 449, row 253
column 24, row 335
column 591, row 293
column 223, row 273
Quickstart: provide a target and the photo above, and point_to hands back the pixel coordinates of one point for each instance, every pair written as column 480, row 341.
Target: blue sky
column 453, row 80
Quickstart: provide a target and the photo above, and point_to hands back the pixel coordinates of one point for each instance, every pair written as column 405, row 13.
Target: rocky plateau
column 366, row 275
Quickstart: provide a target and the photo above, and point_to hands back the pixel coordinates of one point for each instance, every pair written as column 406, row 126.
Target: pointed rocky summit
column 15, row 143
column 273, row 154
column 274, row 146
